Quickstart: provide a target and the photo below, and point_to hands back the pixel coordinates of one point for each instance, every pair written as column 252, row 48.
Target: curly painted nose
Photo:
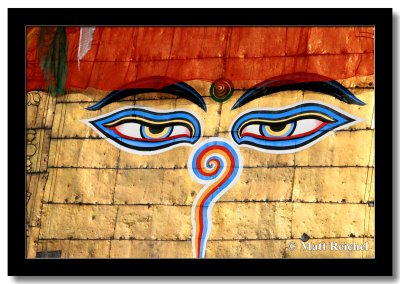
column 217, row 164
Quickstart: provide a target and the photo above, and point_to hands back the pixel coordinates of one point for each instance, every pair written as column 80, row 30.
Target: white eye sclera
column 129, row 129
column 283, row 130
column 306, row 125
column 138, row 131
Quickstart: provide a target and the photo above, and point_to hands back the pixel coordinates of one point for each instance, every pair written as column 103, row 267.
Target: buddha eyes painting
column 200, row 142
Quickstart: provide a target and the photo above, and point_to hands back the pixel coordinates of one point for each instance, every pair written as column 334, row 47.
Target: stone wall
column 87, row 198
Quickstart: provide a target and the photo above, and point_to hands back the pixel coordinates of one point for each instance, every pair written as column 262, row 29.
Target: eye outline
column 347, row 120
column 127, row 119
column 97, row 124
column 305, row 116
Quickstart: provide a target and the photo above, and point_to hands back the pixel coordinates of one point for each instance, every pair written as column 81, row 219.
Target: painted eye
column 283, row 131
column 289, row 129
column 147, row 131
column 137, row 131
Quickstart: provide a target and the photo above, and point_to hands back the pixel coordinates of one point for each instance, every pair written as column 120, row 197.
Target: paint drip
column 217, row 164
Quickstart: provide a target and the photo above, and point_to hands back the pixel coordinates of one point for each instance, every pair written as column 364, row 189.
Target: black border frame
column 19, row 18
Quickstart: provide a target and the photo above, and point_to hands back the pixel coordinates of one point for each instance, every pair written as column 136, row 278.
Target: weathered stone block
column 78, row 221
column 246, row 249
column 329, row 220
column 80, row 185
column 153, row 222
column 150, row 249
column 251, row 220
column 78, row 248
column 254, row 158
column 97, row 153
column 155, row 186
column 330, row 184
column 67, row 121
column 343, row 148
column 262, row 184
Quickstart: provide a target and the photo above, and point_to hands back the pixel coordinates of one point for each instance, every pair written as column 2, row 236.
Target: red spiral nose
column 216, row 163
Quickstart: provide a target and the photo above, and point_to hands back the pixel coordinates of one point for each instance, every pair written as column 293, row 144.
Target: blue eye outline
column 138, row 114
column 335, row 119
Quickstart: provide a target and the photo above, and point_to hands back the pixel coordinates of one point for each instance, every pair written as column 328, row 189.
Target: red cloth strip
column 244, row 55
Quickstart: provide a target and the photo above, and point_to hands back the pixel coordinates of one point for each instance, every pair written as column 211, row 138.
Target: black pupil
column 156, row 130
column 277, row 127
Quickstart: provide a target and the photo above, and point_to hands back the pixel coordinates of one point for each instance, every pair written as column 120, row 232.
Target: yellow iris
column 277, row 130
column 155, row 132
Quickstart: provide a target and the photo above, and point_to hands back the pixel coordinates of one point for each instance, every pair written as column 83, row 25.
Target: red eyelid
column 148, row 140
column 287, row 137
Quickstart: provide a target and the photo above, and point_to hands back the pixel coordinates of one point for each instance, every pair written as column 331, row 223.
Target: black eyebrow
column 150, row 85
column 298, row 81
